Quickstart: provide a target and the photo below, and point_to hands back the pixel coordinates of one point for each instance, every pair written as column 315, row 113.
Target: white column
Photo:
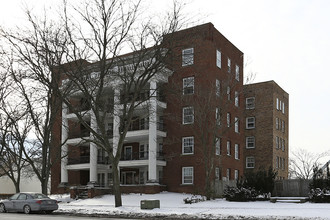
column 64, row 151
column 116, row 121
column 93, row 153
column 152, row 162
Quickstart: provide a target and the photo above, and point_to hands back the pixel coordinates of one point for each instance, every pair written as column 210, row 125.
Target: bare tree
column 302, row 162
column 49, row 52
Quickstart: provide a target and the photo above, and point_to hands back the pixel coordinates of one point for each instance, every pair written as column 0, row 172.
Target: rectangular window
column 250, row 103
column 280, row 105
column 187, row 175
column 188, row 115
column 187, row 145
column 277, row 124
column 250, row 162
column 229, row 65
column 144, row 149
column 188, row 85
column 236, row 125
column 277, row 140
column 283, row 108
column 188, row 57
column 217, row 173
column 250, row 122
column 228, row 174
column 228, row 148
column 237, row 73
column 217, row 86
column 219, row 58
column 277, row 104
column 283, row 126
column 236, row 99
column 283, row 145
column 250, row 142
column 217, row 116
column 228, row 119
column 277, row 162
column 236, row 151
column 228, row 92
column 217, row 146
column 236, row 174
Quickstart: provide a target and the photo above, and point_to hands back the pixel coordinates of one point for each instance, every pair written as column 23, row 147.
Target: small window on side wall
column 219, row 58
column 188, row 85
column 188, row 57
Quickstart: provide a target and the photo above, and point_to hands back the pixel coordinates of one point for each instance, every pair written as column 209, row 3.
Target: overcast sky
column 287, row 41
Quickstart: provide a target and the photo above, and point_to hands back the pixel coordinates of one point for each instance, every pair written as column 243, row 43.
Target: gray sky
column 287, row 41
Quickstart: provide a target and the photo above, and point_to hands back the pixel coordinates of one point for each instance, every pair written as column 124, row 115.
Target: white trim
column 192, row 175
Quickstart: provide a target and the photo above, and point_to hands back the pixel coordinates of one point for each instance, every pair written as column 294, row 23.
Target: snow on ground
column 172, row 204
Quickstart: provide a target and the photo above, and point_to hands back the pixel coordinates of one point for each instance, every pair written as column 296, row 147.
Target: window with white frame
column 236, row 151
column 219, row 58
column 217, row 87
column 229, row 65
column 217, row 146
column 228, row 173
column 217, row 116
column 228, row 92
column 236, row 174
column 188, row 57
column 250, row 103
column 228, row 148
column 187, row 175
column 188, row 85
column 237, row 73
column 277, row 104
column 250, row 162
column 228, row 119
column 217, row 173
column 187, row 145
column 236, row 125
column 144, row 150
column 250, row 142
column 188, row 115
column 236, row 99
column 283, row 111
column 250, row 122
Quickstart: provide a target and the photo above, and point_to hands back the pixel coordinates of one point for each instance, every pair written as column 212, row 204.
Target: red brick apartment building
column 201, row 133
column 267, row 127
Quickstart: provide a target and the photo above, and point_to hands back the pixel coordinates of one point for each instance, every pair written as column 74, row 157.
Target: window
column 188, row 85
column 236, row 125
column 228, row 92
column 250, row 142
column 283, row 108
column 283, row 126
column 250, row 122
column 277, row 124
column 283, row 145
column 217, row 116
column 187, row 175
column 144, row 150
column 236, row 151
column 228, row 119
column 219, row 58
column 217, row 86
column 237, row 73
column 187, row 145
column 277, row 104
column 217, row 173
column 229, row 65
column 228, row 173
column 236, row 99
column 236, row 174
column 217, row 146
column 277, row 162
column 250, row 102
column 228, row 148
column 250, row 162
column 277, row 140
column 188, row 57
column 280, row 105
column 188, row 115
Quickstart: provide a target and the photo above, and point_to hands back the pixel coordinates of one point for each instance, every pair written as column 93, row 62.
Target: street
column 19, row 216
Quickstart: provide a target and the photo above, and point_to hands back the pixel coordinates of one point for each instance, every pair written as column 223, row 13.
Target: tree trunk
column 17, row 187
column 44, row 188
column 116, row 185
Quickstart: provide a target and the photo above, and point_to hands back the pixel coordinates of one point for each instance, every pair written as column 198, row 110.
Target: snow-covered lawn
column 172, row 204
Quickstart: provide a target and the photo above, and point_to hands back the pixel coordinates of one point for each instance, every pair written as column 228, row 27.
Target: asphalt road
column 19, row 216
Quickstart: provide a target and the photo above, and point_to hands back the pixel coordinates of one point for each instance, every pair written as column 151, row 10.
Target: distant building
column 267, row 127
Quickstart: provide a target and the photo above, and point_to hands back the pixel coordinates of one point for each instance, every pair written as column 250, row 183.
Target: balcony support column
column 152, row 162
column 93, row 154
column 64, row 150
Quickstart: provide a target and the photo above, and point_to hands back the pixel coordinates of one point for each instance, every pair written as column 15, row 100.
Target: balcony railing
column 78, row 134
column 86, row 159
column 143, row 155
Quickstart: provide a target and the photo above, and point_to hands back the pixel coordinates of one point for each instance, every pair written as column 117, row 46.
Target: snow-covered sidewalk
column 172, row 204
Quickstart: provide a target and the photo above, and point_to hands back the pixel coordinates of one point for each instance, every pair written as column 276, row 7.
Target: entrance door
column 127, row 178
column 128, row 152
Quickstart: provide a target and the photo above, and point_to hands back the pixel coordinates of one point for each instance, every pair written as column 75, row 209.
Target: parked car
column 28, row 202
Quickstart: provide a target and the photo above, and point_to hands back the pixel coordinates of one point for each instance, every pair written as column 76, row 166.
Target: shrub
column 319, row 195
column 194, row 199
column 240, row 194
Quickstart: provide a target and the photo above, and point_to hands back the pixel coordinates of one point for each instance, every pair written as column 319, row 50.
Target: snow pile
column 172, row 204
